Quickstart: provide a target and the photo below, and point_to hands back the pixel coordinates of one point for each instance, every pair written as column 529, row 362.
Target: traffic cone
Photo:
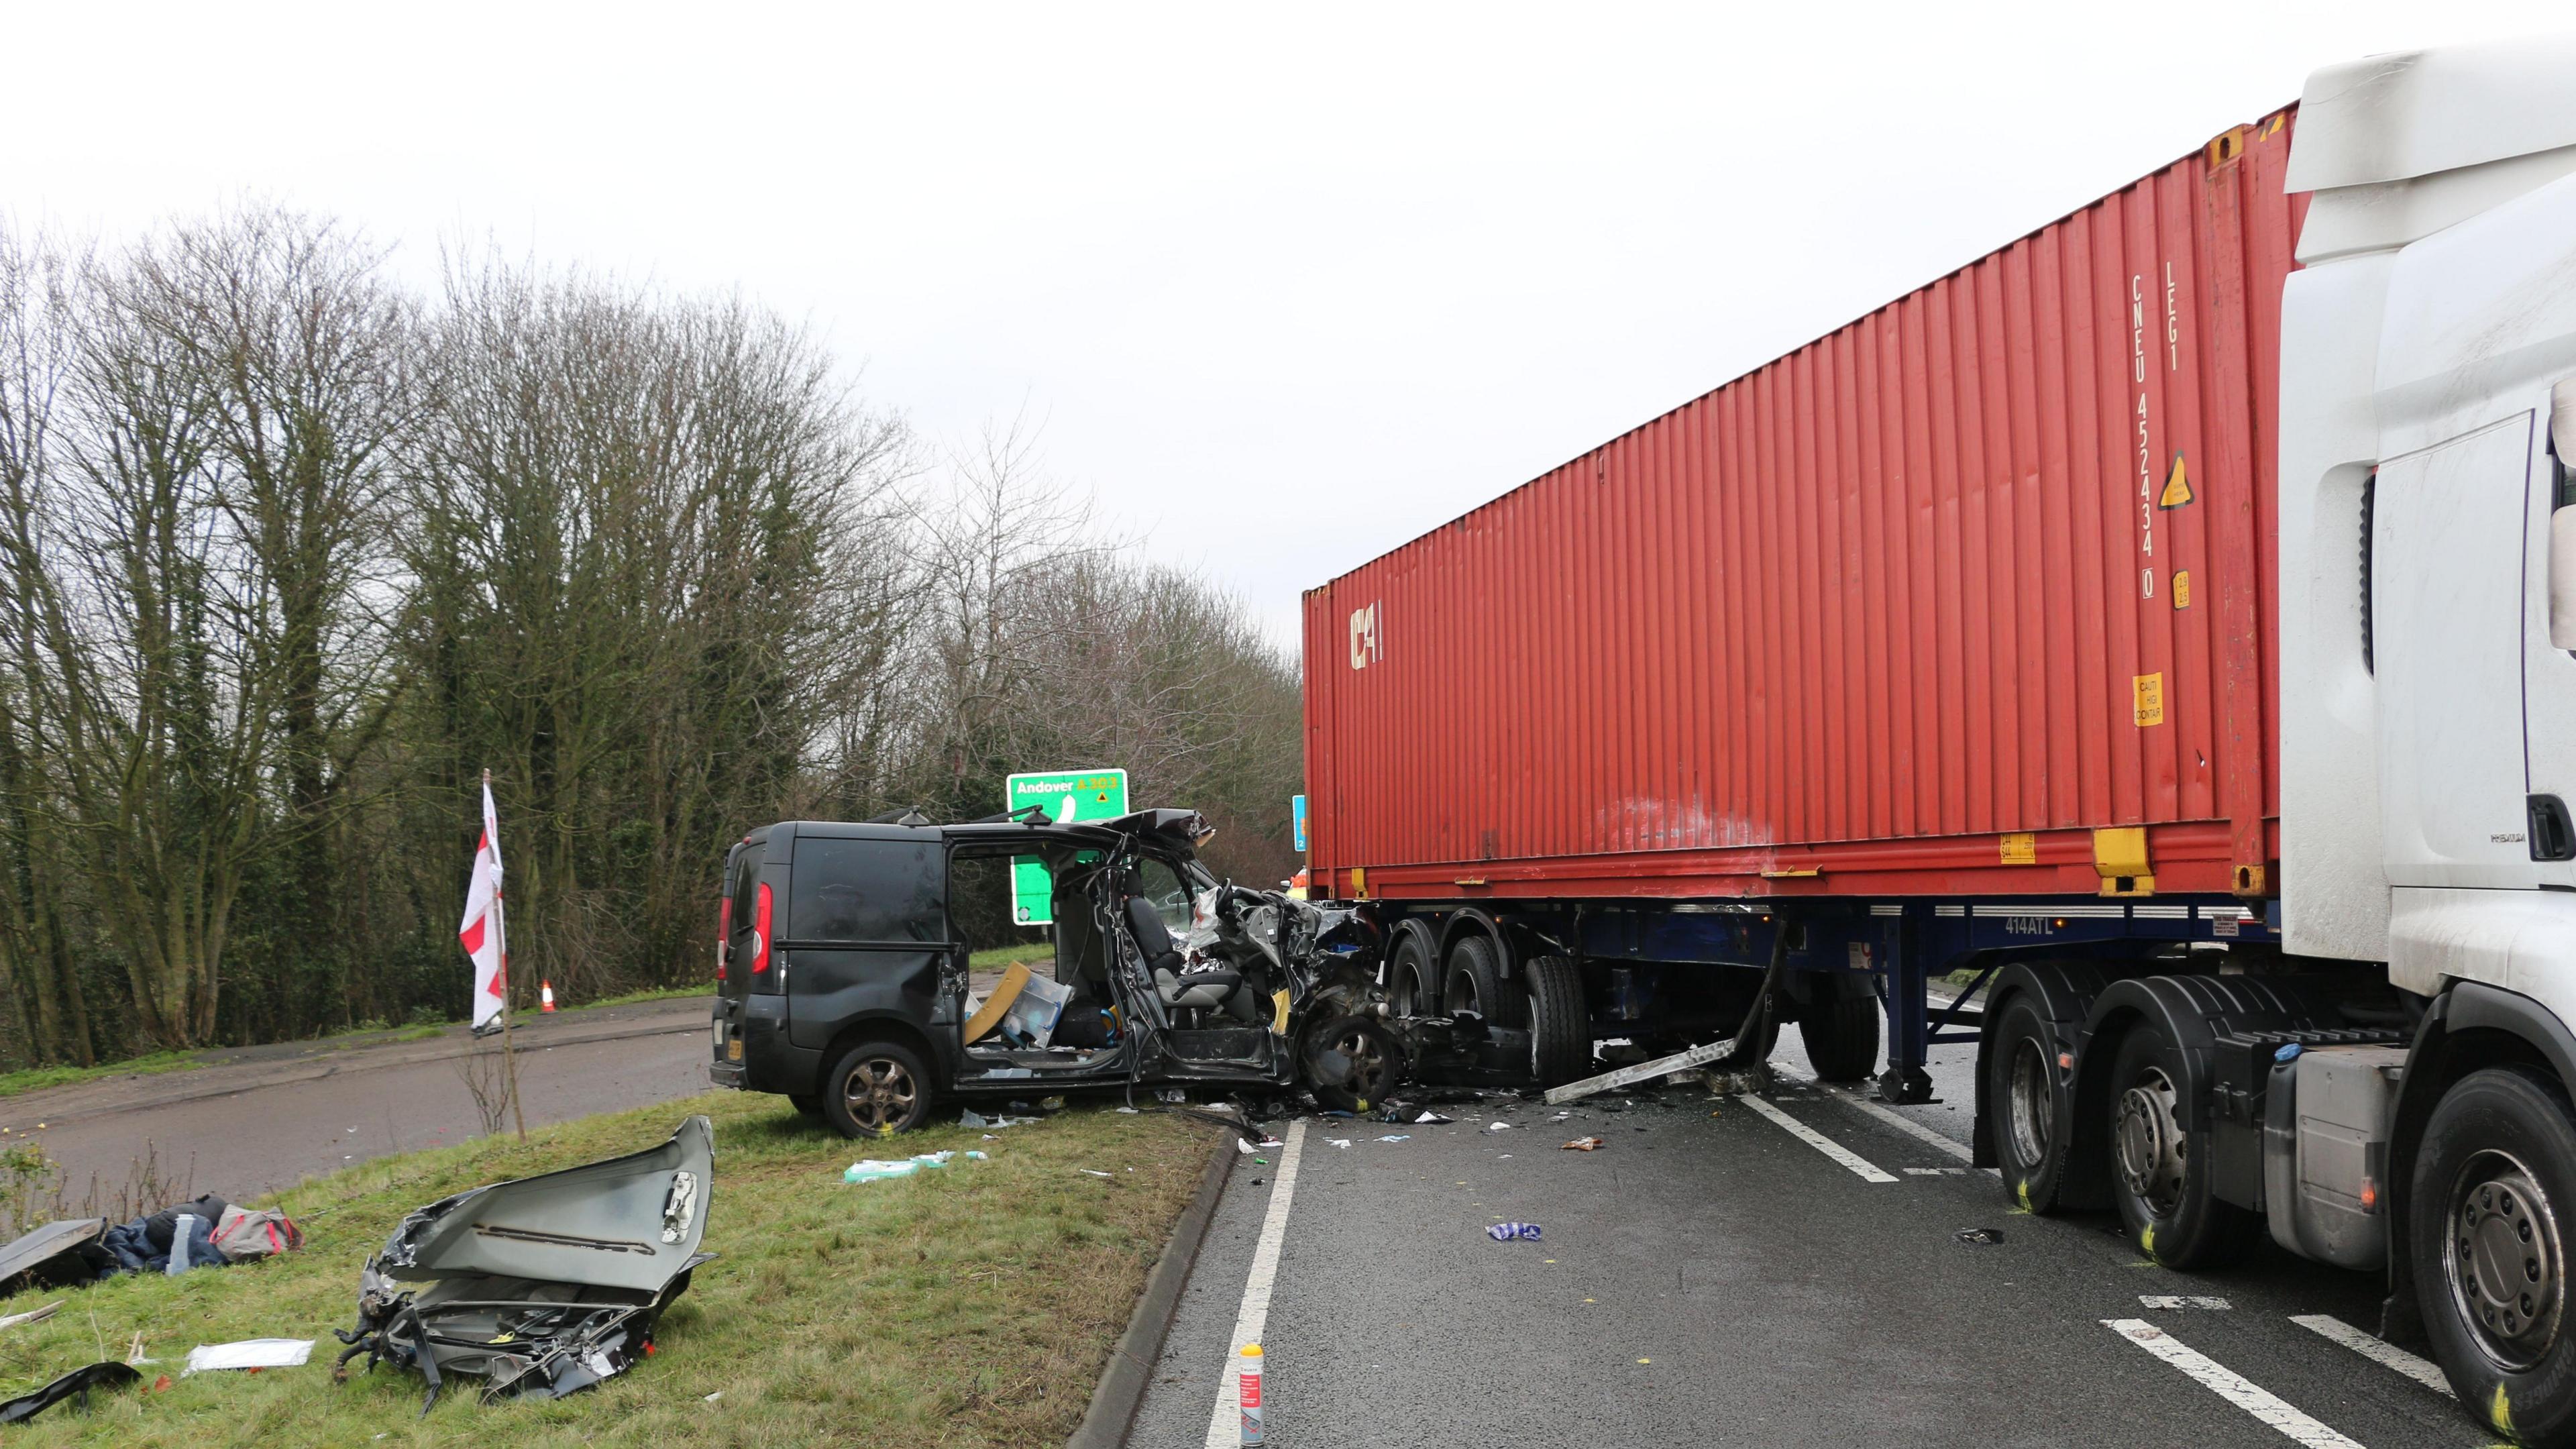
column 545, row 997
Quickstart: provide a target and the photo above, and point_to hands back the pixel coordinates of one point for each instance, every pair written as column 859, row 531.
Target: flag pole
column 501, row 934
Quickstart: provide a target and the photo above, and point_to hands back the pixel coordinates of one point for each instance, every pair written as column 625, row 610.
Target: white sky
column 1286, row 286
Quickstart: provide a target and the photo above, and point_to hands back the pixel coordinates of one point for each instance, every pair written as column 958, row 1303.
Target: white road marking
column 2227, row 1384
column 1852, row 1096
column 2182, row 1300
column 2422, row 1371
column 1934, row 1171
column 1819, row 1141
column 1225, row 1428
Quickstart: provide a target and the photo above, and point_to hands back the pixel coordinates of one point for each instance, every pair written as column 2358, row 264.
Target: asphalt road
column 265, row 1120
column 1710, row 1278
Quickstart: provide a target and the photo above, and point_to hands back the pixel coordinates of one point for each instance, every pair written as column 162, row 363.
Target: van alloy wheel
column 2504, row 1265
column 881, row 1093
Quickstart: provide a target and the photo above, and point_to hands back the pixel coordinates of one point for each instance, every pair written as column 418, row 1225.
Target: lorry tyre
column 2027, row 1097
column 1841, row 1036
column 1412, row 983
column 1560, row 1027
column 876, row 1089
column 2494, row 1200
column 2160, row 1167
column 1375, row 1070
column 1475, row 983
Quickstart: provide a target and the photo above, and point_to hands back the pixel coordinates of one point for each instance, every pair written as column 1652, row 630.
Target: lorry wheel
column 1353, row 1065
column 1560, row 1027
column 2494, row 1200
column 877, row 1089
column 1410, row 981
column 2026, row 1095
column 2160, row 1168
column 1841, row 1036
column 1475, row 983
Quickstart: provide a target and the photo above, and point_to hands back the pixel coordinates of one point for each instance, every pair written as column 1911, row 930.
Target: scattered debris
column 76, row 1383
column 1561, row 1116
column 1395, row 1137
column 1498, row 1126
column 1095, row 1172
column 1050, row 1104
column 873, row 1170
column 1510, row 1232
column 1243, row 1147
column 1339, row 1141
column 250, row 1353
column 718, row 1394
column 977, row 1120
column 1981, row 1237
column 1272, row 1142
column 1432, row 1119
column 32, row 1315
column 1586, row 1144
column 1126, row 1111
column 1171, row 1094
column 543, row 1286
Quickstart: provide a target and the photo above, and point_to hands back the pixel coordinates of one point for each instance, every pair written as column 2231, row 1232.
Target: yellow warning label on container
column 2177, row 490
column 2182, row 588
column 2150, row 698
column 2019, row 848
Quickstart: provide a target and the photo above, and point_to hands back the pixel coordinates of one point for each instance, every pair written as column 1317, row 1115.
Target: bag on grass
column 247, row 1233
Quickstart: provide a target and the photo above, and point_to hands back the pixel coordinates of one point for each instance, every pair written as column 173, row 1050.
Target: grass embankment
column 36, row 1079
column 970, row 1306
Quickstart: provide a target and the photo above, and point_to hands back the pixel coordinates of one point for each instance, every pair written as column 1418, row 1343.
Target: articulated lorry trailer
column 2169, row 618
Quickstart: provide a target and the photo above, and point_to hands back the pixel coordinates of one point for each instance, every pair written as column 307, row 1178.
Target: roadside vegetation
column 969, row 1306
column 291, row 551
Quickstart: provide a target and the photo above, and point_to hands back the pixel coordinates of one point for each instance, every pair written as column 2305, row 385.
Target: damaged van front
column 845, row 978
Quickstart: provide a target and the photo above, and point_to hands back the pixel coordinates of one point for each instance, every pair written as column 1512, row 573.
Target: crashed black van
column 843, row 977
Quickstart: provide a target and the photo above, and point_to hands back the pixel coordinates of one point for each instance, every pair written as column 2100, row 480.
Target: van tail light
column 724, row 929
column 760, row 932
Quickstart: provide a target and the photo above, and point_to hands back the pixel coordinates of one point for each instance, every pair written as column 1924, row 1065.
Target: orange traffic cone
column 545, row 997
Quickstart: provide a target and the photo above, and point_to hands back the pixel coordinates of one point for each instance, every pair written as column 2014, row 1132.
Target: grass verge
column 36, row 1079
column 966, row 1307
column 993, row 958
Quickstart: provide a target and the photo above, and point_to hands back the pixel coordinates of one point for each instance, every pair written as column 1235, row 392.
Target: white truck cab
column 2428, row 702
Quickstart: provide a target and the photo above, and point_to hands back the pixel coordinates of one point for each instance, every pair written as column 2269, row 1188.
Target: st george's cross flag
column 481, row 934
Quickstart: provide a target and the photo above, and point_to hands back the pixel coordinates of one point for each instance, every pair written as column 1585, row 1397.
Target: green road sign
column 1064, row 795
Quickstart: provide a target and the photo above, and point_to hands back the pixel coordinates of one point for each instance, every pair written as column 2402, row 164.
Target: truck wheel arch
column 2469, row 1026
column 2064, row 991
column 1474, row 922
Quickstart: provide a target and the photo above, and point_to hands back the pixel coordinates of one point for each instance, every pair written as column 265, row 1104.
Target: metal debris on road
column 1981, row 1237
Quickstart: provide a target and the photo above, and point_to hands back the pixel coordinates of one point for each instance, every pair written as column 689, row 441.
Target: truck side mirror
column 2562, row 516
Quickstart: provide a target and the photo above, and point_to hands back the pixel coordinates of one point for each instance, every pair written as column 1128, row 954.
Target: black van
column 843, row 978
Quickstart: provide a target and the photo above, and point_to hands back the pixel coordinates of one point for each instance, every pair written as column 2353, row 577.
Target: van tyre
column 1376, row 1064
column 2029, row 1099
column 1841, row 1035
column 2160, row 1167
column 1475, row 983
column 2492, row 1206
column 1560, row 1027
column 1412, row 983
column 876, row 1089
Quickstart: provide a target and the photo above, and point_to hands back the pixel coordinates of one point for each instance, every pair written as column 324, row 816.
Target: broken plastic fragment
column 1512, row 1232
column 1093, row 1172
column 1586, row 1144
column 1339, row 1141
column 1498, row 1126
column 1431, row 1119
column 76, row 1383
column 1982, row 1237
column 1395, row 1137
column 249, row 1353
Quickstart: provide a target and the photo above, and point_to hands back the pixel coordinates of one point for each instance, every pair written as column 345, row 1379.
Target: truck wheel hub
column 2504, row 1267
column 2033, row 1104
column 2151, row 1151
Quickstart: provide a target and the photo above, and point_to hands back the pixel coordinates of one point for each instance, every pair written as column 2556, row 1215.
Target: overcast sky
column 1285, row 286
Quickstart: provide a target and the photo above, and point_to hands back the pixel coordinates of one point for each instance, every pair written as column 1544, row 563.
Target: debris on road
column 253, row 1354
column 1339, row 1141
column 1395, row 1137
column 1432, row 1119
column 1981, row 1237
column 1498, row 1126
column 977, row 1120
column 1587, row 1144
column 76, row 1383
column 1511, row 1232
column 543, row 1286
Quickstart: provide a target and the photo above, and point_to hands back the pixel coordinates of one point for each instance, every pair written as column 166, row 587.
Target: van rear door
column 738, row 919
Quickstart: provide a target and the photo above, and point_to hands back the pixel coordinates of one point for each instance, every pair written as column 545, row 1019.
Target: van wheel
column 1475, row 983
column 2026, row 1099
column 1560, row 1028
column 877, row 1089
column 2494, row 1203
column 1841, row 1036
column 2160, row 1168
column 1353, row 1065
column 1410, row 979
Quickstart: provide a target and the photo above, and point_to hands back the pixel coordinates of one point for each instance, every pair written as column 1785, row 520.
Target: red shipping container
column 1942, row 602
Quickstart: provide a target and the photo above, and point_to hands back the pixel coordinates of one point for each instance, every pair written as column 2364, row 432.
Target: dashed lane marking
column 2182, row 1300
column 1934, row 1171
column 1225, row 1428
column 1819, row 1141
column 2230, row 1385
column 1851, row 1097
column 2422, row 1371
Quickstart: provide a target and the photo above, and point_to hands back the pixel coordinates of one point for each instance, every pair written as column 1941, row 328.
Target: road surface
column 264, row 1119
column 1713, row 1277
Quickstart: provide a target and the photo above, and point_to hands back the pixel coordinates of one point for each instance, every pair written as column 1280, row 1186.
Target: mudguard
column 2065, row 992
